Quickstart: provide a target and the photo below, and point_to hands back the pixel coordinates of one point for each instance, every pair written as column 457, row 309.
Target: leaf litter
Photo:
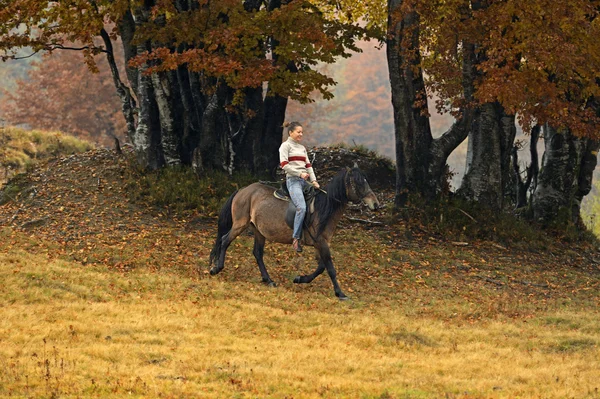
column 81, row 208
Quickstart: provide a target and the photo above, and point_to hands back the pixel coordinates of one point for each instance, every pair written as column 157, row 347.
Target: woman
column 293, row 159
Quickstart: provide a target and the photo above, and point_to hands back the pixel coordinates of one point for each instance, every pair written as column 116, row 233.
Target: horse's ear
column 355, row 165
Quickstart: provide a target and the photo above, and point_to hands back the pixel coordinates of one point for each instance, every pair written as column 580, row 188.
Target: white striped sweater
column 293, row 159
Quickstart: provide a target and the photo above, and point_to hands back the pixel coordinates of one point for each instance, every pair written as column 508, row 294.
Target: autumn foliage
column 360, row 112
column 245, row 44
column 208, row 82
column 61, row 93
column 538, row 59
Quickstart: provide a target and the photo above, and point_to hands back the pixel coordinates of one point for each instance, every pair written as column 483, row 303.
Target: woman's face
column 296, row 134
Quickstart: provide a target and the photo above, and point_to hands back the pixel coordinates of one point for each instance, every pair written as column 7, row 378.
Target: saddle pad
column 290, row 214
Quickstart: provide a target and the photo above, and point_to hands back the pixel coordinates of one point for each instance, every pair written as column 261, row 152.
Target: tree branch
column 127, row 102
column 364, row 221
column 52, row 47
column 25, row 56
column 457, row 133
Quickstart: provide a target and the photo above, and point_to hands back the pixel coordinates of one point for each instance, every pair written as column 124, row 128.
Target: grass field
column 69, row 329
column 106, row 293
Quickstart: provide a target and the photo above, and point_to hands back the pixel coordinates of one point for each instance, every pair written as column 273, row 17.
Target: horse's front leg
column 325, row 256
column 310, row 277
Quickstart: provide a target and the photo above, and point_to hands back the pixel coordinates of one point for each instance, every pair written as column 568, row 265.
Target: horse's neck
column 334, row 220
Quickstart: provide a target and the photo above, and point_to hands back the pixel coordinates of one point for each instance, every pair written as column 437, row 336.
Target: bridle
column 350, row 184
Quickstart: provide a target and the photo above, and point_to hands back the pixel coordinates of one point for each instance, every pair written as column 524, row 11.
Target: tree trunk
column 127, row 31
column 183, row 117
column 420, row 160
column 508, row 130
column 253, row 153
column 565, row 177
column 411, row 123
column 488, row 175
column 169, row 105
column 272, row 134
column 147, row 137
column 190, row 115
column 146, row 140
column 442, row 147
column 128, row 105
column 588, row 164
column 522, row 187
column 212, row 148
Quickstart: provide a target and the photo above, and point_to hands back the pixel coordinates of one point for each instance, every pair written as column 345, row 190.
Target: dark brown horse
column 255, row 206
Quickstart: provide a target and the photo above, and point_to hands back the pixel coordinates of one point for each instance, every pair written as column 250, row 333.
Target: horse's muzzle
column 371, row 201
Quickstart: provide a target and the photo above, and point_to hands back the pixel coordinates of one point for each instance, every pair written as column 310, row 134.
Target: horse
column 256, row 207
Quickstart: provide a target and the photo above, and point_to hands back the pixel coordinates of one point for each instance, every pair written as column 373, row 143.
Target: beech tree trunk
column 169, row 105
column 146, row 140
column 420, row 159
column 266, row 148
column 411, row 123
column 127, row 30
column 487, row 178
column 191, row 121
column 565, row 176
column 128, row 105
column 183, row 117
column 527, row 185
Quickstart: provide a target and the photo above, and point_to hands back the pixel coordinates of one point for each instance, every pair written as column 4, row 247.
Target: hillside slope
column 107, row 296
column 20, row 148
column 82, row 204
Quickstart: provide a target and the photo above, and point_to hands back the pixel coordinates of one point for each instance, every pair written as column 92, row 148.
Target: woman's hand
column 316, row 184
column 304, row 175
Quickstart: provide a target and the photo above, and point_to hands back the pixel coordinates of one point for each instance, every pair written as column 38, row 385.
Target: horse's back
column 260, row 188
column 256, row 193
column 254, row 197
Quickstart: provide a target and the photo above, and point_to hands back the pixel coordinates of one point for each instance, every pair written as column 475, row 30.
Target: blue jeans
column 295, row 186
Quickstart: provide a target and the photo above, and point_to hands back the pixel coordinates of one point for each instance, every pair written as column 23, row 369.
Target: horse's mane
column 327, row 205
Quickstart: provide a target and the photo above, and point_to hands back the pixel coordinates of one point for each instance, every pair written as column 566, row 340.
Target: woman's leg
column 295, row 188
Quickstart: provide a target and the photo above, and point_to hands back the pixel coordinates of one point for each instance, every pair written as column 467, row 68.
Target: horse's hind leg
column 310, row 277
column 226, row 240
column 259, row 251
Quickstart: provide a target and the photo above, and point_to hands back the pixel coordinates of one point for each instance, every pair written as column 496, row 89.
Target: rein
column 348, row 185
column 347, row 182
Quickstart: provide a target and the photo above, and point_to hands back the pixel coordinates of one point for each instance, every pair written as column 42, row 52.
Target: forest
column 208, row 84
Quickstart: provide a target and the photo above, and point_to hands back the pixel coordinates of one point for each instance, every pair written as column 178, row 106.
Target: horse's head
column 358, row 189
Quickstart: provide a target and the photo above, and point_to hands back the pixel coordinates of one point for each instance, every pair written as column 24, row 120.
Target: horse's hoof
column 214, row 271
column 297, row 280
column 271, row 284
column 343, row 297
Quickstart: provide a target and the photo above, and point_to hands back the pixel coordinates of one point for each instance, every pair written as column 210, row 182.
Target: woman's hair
column 291, row 126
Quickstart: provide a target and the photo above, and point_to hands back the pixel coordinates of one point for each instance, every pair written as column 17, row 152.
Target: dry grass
column 101, row 299
column 20, row 148
column 69, row 330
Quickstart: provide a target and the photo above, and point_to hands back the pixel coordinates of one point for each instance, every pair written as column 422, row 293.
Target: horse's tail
column 224, row 225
